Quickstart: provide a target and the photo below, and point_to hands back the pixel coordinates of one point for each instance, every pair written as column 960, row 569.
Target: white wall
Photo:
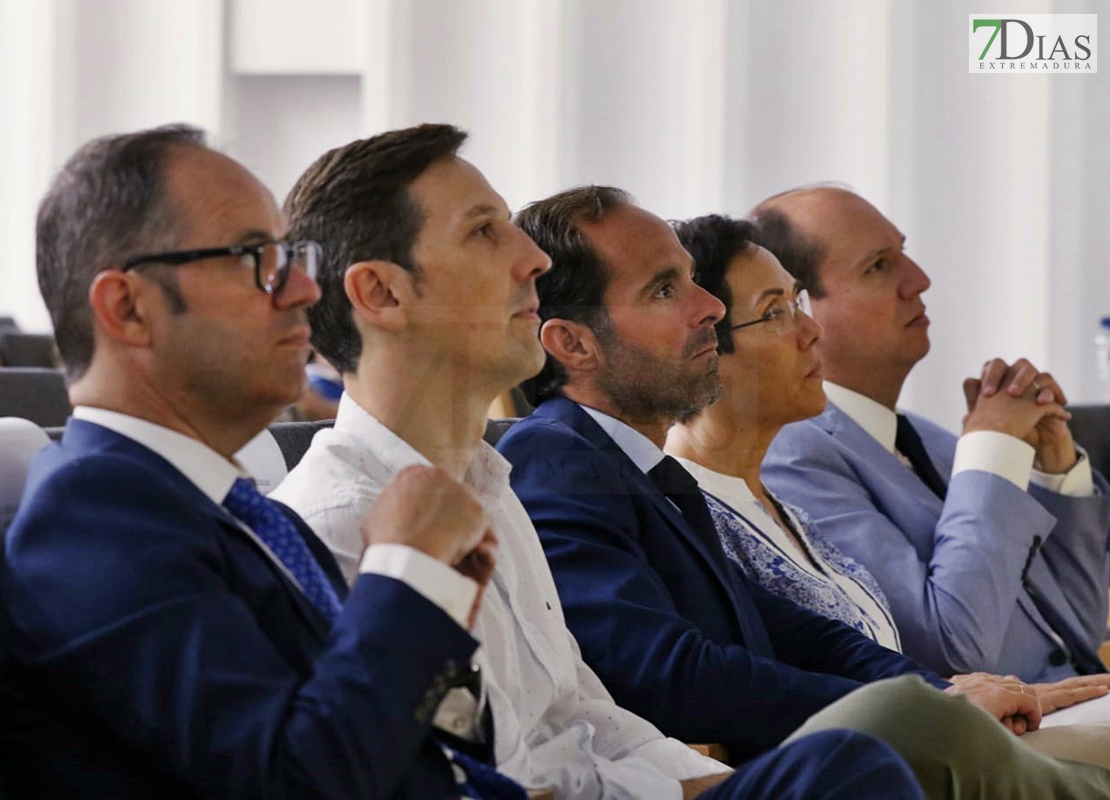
column 27, row 37
column 693, row 105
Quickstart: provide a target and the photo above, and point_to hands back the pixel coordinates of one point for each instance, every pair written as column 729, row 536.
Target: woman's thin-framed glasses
column 271, row 260
column 781, row 314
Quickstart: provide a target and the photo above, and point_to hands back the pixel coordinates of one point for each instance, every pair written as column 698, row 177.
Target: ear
column 121, row 306
column 572, row 344
column 379, row 292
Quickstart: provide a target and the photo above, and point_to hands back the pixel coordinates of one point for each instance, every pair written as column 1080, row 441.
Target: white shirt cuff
column 1076, row 482
column 436, row 581
column 997, row 453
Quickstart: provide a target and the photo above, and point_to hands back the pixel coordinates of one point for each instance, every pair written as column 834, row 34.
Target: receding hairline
column 180, row 158
column 784, row 200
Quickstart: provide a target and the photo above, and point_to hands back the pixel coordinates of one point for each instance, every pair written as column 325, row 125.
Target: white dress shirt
column 987, row 451
column 555, row 724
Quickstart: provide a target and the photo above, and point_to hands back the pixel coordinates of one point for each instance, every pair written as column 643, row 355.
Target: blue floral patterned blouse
column 833, row 584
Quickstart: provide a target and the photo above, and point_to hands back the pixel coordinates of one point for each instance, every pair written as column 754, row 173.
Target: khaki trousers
column 956, row 749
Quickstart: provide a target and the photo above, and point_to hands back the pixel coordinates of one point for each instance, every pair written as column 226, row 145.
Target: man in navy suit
column 677, row 633
column 168, row 632
column 991, row 547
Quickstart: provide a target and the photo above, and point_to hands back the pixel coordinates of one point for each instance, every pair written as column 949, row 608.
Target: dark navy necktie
column 909, row 444
column 279, row 534
column 680, row 487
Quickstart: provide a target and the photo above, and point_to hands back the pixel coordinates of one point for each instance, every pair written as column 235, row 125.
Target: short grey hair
column 108, row 203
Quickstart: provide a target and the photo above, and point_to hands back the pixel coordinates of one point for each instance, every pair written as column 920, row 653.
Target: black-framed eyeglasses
column 782, row 314
column 271, row 261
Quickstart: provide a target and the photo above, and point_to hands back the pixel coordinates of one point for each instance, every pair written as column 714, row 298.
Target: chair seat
column 20, row 439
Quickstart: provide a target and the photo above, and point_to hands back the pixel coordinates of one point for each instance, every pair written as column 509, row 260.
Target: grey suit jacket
column 952, row 570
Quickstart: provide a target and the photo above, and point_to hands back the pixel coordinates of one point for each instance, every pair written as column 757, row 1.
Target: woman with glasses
column 771, row 376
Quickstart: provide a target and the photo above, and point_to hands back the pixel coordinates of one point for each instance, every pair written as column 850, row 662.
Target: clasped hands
column 1019, row 706
column 1019, row 400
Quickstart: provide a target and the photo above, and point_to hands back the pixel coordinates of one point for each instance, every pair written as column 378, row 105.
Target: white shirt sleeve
column 1010, row 458
column 438, row 582
column 998, row 453
column 1076, row 482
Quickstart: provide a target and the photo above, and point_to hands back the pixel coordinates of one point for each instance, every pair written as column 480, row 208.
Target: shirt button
column 458, row 725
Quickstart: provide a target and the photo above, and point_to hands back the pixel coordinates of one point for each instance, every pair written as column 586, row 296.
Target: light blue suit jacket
column 952, row 570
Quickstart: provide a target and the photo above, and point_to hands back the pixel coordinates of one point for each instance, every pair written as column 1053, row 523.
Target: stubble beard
column 645, row 388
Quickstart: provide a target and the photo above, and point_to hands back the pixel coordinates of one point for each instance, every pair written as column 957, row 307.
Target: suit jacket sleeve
column 641, row 643
column 120, row 590
column 1077, row 554
column 952, row 581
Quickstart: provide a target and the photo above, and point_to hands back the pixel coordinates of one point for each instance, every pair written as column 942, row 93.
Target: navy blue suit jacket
column 675, row 630
column 154, row 650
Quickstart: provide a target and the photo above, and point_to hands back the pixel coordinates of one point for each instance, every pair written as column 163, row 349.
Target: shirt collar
column 876, row 419
column 487, row 472
column 640, row 449
column 208, row 470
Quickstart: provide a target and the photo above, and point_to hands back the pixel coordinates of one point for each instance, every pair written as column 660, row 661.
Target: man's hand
column 1006, row 698
column 1019, row 400
column 478, row 565
column 1068, row 692
column 426, row 509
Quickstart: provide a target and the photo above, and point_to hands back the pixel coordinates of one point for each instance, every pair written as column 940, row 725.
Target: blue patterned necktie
column 285, row 541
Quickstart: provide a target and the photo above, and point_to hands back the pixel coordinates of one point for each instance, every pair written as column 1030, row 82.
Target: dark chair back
column 294, row 437
column 1090, row 425
column 496, row 428
column 35, row 394
column 18, row 349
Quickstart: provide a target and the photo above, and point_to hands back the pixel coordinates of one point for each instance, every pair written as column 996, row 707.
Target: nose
column 710, row 310
column 299, row 290
column 808, row 329
column 915, row 281
column 531, row 261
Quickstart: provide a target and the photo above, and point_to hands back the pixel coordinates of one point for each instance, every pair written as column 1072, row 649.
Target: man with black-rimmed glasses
column 169, row 632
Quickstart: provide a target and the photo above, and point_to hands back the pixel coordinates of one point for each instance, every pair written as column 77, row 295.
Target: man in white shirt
column 168, row 632
column 991, row 547
column 429, row 312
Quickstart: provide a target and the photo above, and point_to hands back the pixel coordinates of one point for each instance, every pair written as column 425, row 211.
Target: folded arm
column 130, row 602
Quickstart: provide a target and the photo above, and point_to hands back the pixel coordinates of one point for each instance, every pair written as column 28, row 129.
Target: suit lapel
column 304, row 606
column 709, row 550
column 86, row 436
column 885, row 464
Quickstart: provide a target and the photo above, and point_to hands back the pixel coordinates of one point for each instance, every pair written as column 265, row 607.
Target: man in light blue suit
column 990, row 546
column 167, row 631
